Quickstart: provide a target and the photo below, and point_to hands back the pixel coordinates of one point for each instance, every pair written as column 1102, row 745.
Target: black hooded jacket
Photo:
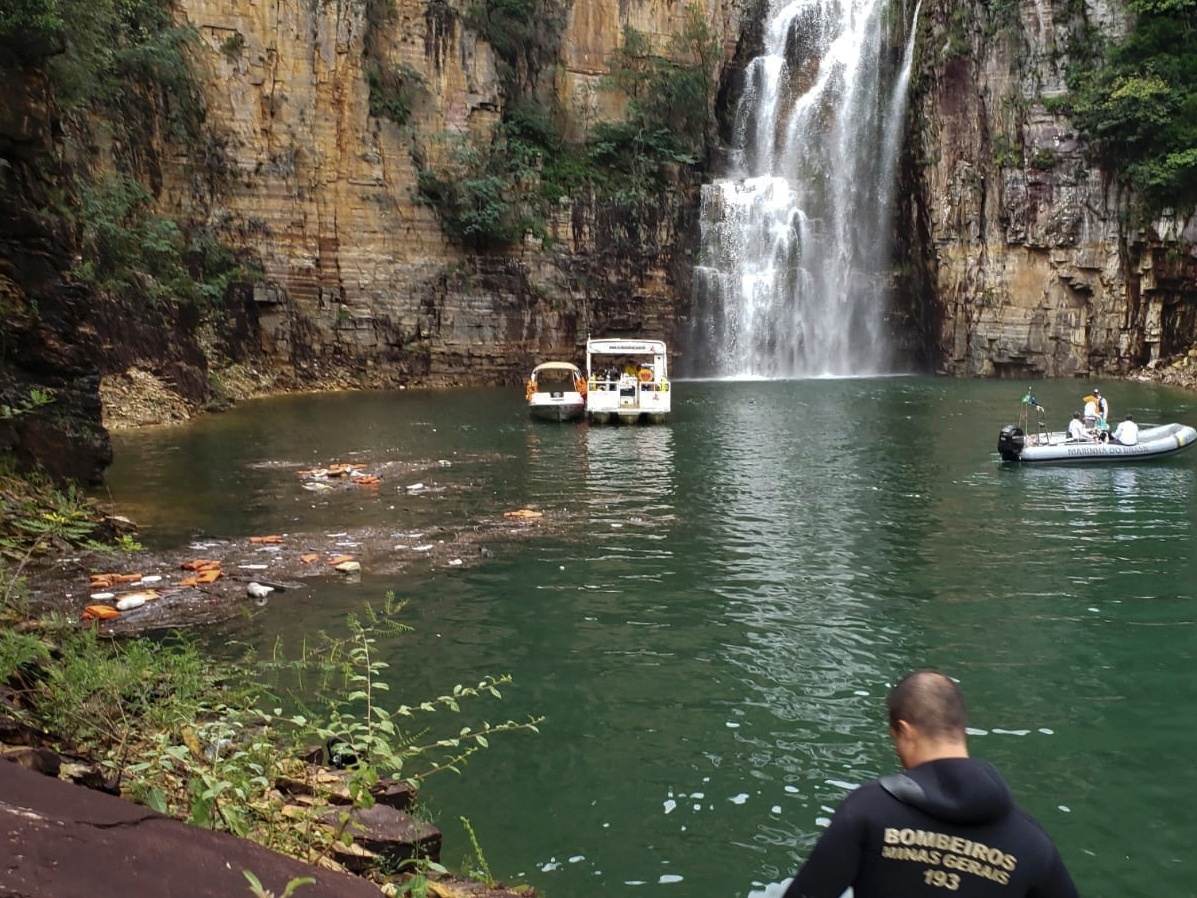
column 945, row 829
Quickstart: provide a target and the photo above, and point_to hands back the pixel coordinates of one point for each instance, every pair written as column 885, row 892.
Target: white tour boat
column 556, row 391
column 628, row 381
column 1031, row 442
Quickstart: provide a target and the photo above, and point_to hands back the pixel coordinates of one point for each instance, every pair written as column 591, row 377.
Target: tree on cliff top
column 31, row 30
column 1139, row 109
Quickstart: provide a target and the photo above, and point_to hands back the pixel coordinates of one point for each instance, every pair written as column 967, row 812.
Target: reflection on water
column 713, row 610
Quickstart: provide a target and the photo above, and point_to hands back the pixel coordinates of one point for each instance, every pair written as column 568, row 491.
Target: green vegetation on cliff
column 490, row 194
column 1139, row 108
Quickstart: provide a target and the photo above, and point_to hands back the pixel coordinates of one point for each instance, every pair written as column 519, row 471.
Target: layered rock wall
column 1013, row 258
column 358, row 274
column 1027, row 268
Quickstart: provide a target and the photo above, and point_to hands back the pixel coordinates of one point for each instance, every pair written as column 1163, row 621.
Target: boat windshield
column 554, row 380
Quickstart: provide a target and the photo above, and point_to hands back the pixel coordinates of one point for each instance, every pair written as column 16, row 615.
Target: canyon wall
column 1013, row 253
column 1020, row 259
column 358, row 274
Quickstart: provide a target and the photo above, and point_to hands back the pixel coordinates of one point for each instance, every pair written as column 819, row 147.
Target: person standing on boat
column 1077, row 429
column 1103, row 407
column 1089, row 415
column 1126, row 433
column 947, row 824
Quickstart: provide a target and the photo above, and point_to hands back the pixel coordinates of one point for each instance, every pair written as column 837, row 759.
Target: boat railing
column 1037, row 434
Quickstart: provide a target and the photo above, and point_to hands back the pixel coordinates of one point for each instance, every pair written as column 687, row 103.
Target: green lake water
column 712, row 620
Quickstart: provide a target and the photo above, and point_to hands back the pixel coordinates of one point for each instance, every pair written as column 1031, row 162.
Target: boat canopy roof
column 557, row 366
column 625, row 347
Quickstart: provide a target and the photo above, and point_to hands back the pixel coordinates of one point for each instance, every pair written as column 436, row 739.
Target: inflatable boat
column 1155, row 441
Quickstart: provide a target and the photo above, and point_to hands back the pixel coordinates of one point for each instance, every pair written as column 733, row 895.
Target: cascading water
column 793, row 276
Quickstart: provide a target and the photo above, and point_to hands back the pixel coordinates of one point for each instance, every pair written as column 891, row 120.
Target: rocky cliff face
column 1013, row 257
column 1020, row 262
column 49, row 399
column 358, row 274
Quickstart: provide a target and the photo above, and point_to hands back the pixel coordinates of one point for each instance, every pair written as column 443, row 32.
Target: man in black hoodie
column 947, row 825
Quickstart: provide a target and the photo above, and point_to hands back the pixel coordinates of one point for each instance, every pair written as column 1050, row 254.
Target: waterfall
column 793, row 276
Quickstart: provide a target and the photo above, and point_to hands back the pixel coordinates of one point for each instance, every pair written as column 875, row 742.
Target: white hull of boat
column 556, row 391
column 557, row 408
column 1156, row 441
column 618, row 394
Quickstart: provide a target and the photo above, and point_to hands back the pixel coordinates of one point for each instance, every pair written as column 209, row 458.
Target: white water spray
column 793, row 279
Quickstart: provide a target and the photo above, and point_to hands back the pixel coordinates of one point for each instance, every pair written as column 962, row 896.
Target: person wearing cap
column 947, row 824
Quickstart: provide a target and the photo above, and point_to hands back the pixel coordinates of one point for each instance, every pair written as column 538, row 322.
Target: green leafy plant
column 393, row 90
column 130, row 248
column 255, row 885
column 126, row 542
column 233, row 45
column 1138, row 105
column 208, row 743
column 482, row 868
column 32, row 30
column 70, row 518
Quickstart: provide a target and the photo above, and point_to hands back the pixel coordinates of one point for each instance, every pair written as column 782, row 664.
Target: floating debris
column 272, row 540
column 348, row 567
column 258, row 590
column 129, row 602
column 207, row 571
column 524, row 514
column 99, row 612
column 105, row 581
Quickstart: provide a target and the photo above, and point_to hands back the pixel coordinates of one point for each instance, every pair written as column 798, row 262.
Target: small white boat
column 628, row 381
column 1029, row 442
column 556, row 391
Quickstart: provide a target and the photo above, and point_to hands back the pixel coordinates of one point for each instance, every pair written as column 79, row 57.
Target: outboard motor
column 1010, row 442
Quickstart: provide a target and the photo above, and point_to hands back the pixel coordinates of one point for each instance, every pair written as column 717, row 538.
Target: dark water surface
column 712, row 621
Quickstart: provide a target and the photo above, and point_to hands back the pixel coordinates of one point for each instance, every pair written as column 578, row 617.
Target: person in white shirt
column 1090, row 413
column 1077, row 429
column 1127, row 433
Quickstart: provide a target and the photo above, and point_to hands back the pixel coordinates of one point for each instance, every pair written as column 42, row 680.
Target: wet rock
column 383, row 837
column 61, row 839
